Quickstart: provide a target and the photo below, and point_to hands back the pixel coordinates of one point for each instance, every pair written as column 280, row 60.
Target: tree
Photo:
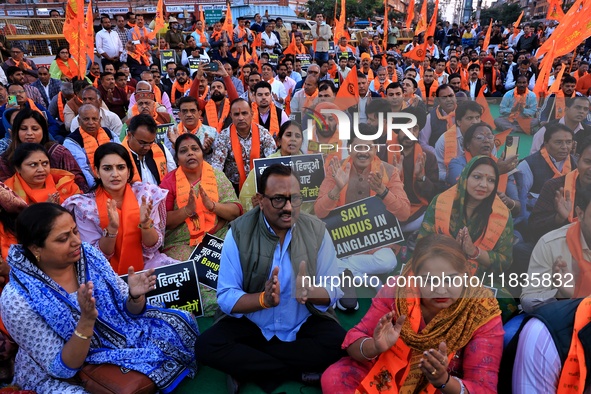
column 506, row 13
column 362, row 9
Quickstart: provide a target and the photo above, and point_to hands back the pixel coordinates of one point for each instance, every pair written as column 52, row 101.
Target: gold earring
column 38, row 257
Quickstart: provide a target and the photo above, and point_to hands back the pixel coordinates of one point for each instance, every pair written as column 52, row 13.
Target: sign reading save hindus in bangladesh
column 310, row 169
column 362, row 226
column 176, row 288
column 206, row 257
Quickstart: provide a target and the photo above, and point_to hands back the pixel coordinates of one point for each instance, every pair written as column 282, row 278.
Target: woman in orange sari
column 124, row 220
column 64, row 67
column 421, row 337
column 35, row 181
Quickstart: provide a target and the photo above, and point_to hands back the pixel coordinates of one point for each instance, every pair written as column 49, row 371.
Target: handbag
column 113, row 379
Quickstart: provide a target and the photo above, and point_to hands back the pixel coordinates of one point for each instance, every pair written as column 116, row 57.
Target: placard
column 212, row 16
column 273, row 59
column 166, row 57
column 310, row 169
column 176, row 288
column 362, row 226
column 305, row 60
column 296, row 116
column 162, row 131
column 194, row 65
column 206, row 257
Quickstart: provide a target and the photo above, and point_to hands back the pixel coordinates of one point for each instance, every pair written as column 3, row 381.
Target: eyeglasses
column 481, row 138
column 143, row 143
column 279, row 202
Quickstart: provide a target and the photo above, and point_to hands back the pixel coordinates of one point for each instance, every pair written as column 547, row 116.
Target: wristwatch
column 422, row 179
column 107, row 234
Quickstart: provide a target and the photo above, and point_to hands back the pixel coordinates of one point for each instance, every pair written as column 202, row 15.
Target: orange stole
column 204, row 221
column 69, row 72
column 503, row 178
column 560, row 104
column 583, row 279
column 570, row 184
column 182, row 129
column 429, row 98
column 274, row 124
column 255, row 150
column 60, row 106
column 176, row 86
column 377, row 85
column 376, row 166
column 158, row 156
column 59, row 181
column 211, row 114
column 496, row 222
column 574, row 371
column 524, row 123
column 566, row 168
column 450, row 145
column 91, row 143
column 398, row 360
column 128, row 246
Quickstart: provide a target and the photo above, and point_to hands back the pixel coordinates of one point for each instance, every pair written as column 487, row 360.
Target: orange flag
column 518, row 21
column 291, row 48
column 501, row 138
column 159, row 24
column 574, row 28
column 348, row 94
column 410, row 13
column 339, row 30
column 419, row 51
column 422, row 23
column 555, row 11
column 89, row 36
column 487, row 38
column 202, row 16
column 556, row 84
column 541, row 87
column 74, row 33
column 385, row 25
column 228, row 24
column 486, row 115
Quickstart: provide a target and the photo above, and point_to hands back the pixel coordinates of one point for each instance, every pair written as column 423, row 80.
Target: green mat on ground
column 212, row 381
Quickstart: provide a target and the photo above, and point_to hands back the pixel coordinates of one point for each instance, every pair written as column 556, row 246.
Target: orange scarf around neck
column 91, row 143
column 177, row 87
column 566, row 168
column 69, row 72
column 211, row 114
column 240, row 154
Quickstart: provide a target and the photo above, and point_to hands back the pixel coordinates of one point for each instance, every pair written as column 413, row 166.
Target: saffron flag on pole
column 74, row 31
column 348, row 94
column 555, row 11
column 89, row 34
column 422, row 23
column 556, row 84
column 228, row 23
column 159, row 24
column 541, row 87
column 501, row 138
column 410, row 13
column 486, row 114
column 518, row 21
column 420, row 51
column 339, row 30
column 574, row 28
column 487, row 38
column 291, row 48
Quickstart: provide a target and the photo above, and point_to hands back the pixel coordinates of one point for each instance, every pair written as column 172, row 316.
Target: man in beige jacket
column 322, row 34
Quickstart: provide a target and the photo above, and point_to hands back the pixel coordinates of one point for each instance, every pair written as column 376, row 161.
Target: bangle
column 189, row 214
column 361, row 350
column 462, row 387
column 149, row 227
column 444, row 384
column 262, row 300
column 514, row 203
column 212, row 208
column 81, row 336
column 476, row 255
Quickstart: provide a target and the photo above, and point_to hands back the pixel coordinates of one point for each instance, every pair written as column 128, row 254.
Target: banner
column 176, row 288
column 206, row 258
column 162, row 131
column 310, row 169
column 166, row 57
column 362, row 226
column 305, row 59
column 273, row 59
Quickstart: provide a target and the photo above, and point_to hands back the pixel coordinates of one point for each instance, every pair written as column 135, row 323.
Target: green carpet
column 212, row 381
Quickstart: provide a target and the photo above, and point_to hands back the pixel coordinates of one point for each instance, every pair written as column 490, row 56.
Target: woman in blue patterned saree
column 65, row 307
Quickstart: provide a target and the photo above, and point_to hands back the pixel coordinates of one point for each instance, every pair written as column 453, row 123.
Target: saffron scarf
column 23, row 62
column 239, row 152
column 570, row 185
column 204, row 220
column 274, row 123
column 177, row 87
column 566, row 168
column 211, row 114
column 91, row 143
column 376, row 166
column 67, row 71
column 140, row 57
column 128, row 246
column 157, row 155
column 59, row 181
column 182, row 129
column 524, row 122
column 449, row 118
column 60, row 106
column 398, row 367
